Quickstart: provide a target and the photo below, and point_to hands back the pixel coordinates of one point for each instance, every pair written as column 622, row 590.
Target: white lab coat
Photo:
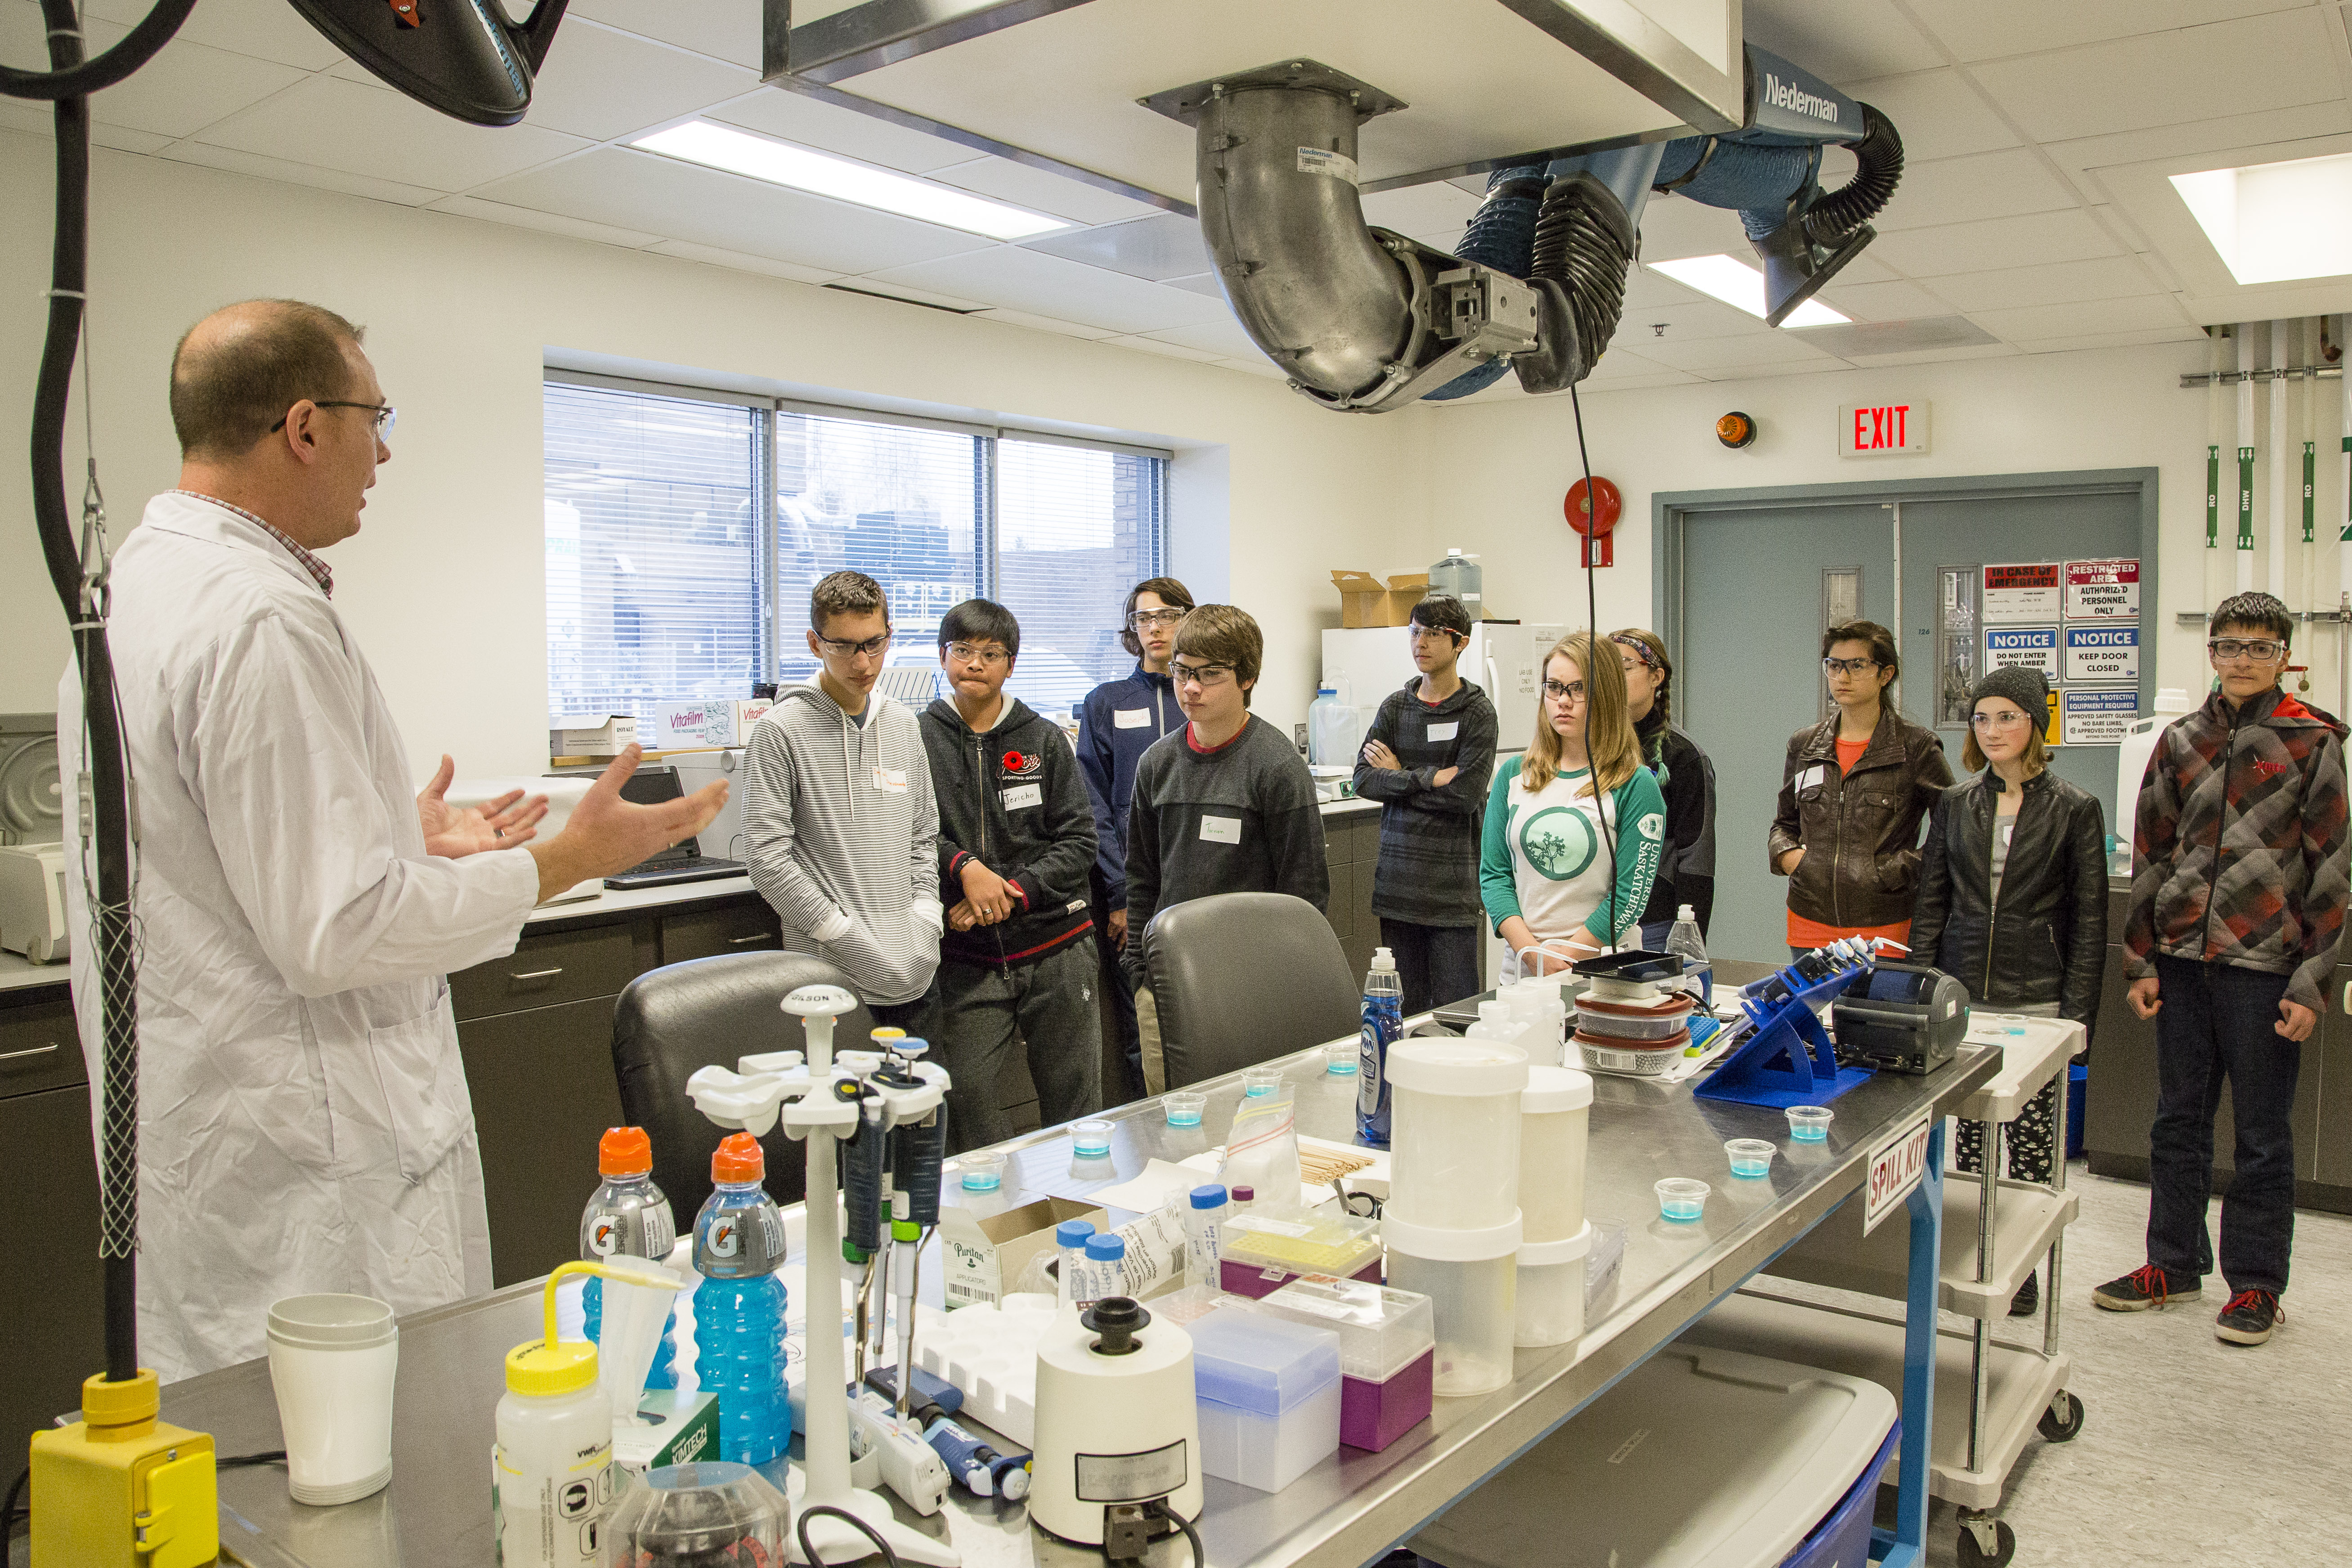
column 303, row 1120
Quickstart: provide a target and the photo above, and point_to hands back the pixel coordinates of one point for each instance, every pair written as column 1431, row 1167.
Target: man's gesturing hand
column 607, row 834
column 454, row 832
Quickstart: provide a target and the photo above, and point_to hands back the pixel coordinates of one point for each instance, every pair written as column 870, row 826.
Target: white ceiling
column 2034, row 203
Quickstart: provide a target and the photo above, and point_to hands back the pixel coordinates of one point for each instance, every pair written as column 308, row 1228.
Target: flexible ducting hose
column 1502, row 232
column 1879, row 160
column 1584, row 242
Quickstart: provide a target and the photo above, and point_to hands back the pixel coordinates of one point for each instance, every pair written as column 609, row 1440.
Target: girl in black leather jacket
column 2012, row 898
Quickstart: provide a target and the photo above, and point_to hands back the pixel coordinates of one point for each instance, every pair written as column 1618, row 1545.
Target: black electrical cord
column 1160, row 1507
column 1592, row 624
column 9, row 1515
column 808, row 1551
column 250, row 1461
column 74, row 78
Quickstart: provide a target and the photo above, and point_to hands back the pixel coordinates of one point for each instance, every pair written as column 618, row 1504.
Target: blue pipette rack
column 1787, row 1059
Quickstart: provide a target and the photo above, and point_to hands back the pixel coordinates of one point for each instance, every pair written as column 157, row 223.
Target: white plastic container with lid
column 1454, row 1139
column 1496, row 1023
column 1553, row 1112
column 1461, row 575
column 1551, row 1306
column 1471, row 1277
column 1269, row 1397
column 551, row 1468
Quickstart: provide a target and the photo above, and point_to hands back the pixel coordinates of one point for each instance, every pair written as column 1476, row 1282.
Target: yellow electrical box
column 122, row 1490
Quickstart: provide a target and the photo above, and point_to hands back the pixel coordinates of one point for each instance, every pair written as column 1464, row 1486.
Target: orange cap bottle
column 624, row 1151
column 738, row 1159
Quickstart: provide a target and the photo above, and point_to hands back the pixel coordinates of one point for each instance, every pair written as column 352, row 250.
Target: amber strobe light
column 1735, row 430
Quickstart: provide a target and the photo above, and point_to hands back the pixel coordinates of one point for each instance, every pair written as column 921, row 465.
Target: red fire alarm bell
column 1597, row 529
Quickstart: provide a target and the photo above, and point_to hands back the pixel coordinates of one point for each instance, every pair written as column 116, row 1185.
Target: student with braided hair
column 1686, row 776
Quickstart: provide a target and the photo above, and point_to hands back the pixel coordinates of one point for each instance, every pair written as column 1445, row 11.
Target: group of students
column 956, row 864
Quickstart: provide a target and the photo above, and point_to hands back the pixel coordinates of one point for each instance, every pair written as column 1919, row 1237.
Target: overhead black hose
column 80, row 79
column 1879, row 157
column 1585, row 243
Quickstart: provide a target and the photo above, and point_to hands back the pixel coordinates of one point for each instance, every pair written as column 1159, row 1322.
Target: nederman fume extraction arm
column 1367, row 320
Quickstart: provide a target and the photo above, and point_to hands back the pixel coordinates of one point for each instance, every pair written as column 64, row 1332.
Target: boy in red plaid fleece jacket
column 2238, row 895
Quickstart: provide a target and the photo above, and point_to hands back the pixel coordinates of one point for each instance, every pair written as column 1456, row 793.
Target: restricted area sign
column 2102, row 590
column 2096, row 716
column 2034, row 648
column 2022, row 591
column 2101, row 652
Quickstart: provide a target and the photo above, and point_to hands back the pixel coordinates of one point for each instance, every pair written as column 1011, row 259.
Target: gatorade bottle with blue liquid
column 628, row 1218
column 739, row 1308
column 1384, row 1021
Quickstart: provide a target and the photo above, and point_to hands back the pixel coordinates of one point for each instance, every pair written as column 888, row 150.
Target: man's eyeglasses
column 2262, row 650
column 1848, row 666
column 973, row 653
column 1204, row 676
column 1145, row 619
column 1432, row 633
column 865, row 649
column 1564, row 691
column 2009, row 721
column 386, row 415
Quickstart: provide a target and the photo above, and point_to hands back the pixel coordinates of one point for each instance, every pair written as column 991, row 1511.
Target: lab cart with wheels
column 1990, row 1397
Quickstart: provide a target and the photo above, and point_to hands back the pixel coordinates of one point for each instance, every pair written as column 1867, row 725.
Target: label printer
column 1902, row 1017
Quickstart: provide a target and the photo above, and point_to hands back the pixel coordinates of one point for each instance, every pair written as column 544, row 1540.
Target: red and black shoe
column 2140, row 1289
column 2249, row 1317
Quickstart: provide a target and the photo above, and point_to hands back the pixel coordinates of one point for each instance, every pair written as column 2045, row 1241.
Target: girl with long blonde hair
column 1547, row 871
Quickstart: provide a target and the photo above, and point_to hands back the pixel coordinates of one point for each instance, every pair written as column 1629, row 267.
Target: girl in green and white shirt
column 1544, row 867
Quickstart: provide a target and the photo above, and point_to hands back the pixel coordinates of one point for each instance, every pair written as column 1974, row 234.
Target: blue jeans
column 1436, row 964
column 2216, row 1026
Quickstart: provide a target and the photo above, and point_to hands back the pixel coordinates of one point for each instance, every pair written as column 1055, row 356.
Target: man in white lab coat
column 303, row 1120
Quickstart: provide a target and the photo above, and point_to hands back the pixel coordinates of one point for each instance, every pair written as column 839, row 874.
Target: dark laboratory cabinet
column 1351, row 849
column 52, row 1302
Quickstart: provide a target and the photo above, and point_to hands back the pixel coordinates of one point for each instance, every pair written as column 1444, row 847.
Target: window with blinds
column 685, row 530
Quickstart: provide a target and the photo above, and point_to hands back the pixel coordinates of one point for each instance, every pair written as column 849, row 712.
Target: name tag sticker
column 1129, row 717
column 1019, row 796
column 893, row 780
column 1222, row 829
column 1446, row 731
column 1811, row 776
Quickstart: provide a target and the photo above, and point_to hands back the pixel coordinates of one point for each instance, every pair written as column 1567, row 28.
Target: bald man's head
column 239, row 370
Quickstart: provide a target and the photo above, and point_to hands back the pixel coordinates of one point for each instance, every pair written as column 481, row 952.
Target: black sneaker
column 2136, row 1291
column 2028, row 1300
column 2249, row 1318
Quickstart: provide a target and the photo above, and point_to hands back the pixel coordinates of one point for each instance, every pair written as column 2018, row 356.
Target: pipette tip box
column 1269, row 1394
column 1388, row 1345
column 1260, row 1251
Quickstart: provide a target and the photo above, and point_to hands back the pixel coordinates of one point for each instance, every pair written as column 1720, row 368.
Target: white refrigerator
column 1500, row 658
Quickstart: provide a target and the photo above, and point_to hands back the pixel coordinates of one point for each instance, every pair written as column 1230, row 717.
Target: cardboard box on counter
column 590, row 734
column 984, row 1255
column 1366, row 601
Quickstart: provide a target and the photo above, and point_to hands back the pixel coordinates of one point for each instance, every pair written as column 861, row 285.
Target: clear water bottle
column 739, row 1308
column 1332, row 738
column 1384, row 1021
column 628, row 1218
column 1698, row 974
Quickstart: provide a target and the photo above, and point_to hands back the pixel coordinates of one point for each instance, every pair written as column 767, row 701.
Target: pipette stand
column 819, row 1101
column 1789, row 1059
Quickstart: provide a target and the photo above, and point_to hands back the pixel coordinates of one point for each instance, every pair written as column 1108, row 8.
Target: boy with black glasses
column 2237, row 904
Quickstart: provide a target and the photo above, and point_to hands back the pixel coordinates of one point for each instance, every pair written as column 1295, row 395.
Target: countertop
column 16, row 975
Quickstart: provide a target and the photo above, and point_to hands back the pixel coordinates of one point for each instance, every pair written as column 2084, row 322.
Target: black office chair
column 707, row 1012
column 1242, row 978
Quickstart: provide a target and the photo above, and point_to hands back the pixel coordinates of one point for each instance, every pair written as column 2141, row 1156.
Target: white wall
column 444, row 585
column 1502, row 470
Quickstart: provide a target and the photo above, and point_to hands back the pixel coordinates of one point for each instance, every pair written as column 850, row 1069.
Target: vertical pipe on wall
column 2245, row 577
column 2306, row 343
column 2217, row 363
column 2344, row 534
column 2274, row 523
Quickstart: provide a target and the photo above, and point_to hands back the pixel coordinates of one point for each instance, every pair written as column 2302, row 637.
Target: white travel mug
column 331, row 1362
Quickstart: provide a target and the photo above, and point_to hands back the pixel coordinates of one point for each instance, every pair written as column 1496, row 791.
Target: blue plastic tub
column 2078, row 1094
column 1843, row 1540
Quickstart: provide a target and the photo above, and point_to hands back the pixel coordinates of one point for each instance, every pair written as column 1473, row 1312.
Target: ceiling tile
column 1740, row 373
column 1044, row 323
column 1040, row 190
column 724, row 29
column 265, row 29
column 1683, row 323
column 2217, row 137
column 899, row 293
column 736, row 261
column 2027, row 324
column 1259, row 366
column 1936, row 356
column 39, row 119
column 1159, row 247
column 1673, row 226
column 1637, row 382
column 1710, row 354
column 1203, row 283
column 1896, row 301
column 1991, row 29
column 630, row 189
column 1223, row 338
column 1982, row 186
column 1995, row 243
column 546, row 223
column 262, row 167
column 1857, row 341
column 1025, row 279
column 2117, row 340
column 1434, row 208
column 1939, row 114
column 376, row 133
column 185, row 88
column 812, row 122
column 2060, row 283
column 1159, row 346
column 600, row 83
column 1647, row 289
column 2165, row 79
column 1839, row 40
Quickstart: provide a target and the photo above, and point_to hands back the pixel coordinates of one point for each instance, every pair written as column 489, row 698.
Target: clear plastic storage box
column 1269, row 1396
column 1387, row 1343
column 1260, row 1249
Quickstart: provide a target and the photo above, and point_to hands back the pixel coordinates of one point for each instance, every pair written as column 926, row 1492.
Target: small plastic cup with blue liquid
column 1809, row 1124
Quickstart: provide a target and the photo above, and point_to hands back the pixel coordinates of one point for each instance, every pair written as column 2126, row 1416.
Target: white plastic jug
column 1332, row 736
column 1460, row 575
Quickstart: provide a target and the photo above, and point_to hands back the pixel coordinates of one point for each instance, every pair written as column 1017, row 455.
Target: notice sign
column 2092, row 717
column 1897, row 1168
column 1882, row 429
column 2102, row 590
column 2027, row 592
column 2035, row 647
column 2098, row 652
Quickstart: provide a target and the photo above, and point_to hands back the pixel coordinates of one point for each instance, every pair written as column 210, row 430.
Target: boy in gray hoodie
column 843, row 829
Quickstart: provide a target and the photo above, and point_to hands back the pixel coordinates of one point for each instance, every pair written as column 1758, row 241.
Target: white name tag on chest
column 1129, row 717
column 1446, row 731
column 892, row 781
column 1222, row 829
column 1019, row 796
column 1811, row 776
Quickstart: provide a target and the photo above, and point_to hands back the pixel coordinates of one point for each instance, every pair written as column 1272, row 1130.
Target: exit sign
column 1882, row 429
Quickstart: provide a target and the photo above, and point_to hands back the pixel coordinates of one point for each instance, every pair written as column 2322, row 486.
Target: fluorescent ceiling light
column 819, row 173
column 1733, row 282
column 2273, row 222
